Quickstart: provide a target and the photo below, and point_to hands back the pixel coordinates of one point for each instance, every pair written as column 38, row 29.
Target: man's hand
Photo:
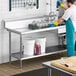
column 60, row 20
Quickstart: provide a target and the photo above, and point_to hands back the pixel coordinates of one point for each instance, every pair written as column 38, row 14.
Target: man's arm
column 64, row 17
column 60, row 20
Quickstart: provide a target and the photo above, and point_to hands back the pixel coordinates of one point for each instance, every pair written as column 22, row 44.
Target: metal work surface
column 28, row 31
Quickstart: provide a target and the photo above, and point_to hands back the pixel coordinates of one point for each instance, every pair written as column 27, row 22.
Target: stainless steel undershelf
column 49, row 51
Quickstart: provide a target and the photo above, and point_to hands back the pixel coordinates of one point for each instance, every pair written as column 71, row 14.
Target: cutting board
column 67, row 64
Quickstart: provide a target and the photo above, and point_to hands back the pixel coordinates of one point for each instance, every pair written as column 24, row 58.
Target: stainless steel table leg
column 21, row 64
column 49, row 72
column 58, row 37
column 59, row 41
column 9, row 46
column 21, row 49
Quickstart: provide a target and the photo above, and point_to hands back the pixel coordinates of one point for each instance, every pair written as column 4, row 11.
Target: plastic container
column 37, row 49
column 29, row 47
column 42, row 43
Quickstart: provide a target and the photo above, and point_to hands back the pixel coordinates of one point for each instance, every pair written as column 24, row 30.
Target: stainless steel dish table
column 23, row 31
